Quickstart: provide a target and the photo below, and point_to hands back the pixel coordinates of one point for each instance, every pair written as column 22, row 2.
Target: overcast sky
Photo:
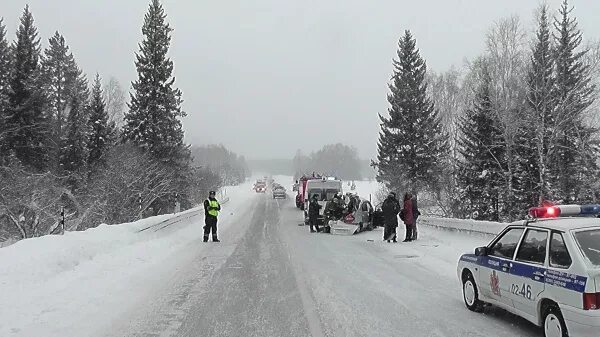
column 268, row 77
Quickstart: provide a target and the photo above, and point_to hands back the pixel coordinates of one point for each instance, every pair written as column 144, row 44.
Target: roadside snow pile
column 484, row 227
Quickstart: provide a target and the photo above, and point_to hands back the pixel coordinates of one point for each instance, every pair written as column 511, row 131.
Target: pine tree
column 25, row 121
column 540, row 82
column 5, row 67
column 480, row 172
column 411, row 141
column 574, row 94
column 100, row 128
column 74, row 155
column 155, row 109
column 59, row 81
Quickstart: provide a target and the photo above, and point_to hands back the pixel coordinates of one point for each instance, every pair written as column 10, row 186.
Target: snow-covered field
column 76, row 284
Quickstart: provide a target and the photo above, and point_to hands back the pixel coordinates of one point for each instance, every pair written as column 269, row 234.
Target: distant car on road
column 260, row 187
column 279, row 193
column 546, row 270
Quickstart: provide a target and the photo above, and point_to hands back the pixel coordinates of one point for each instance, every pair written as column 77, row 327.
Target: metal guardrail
column 171, row 221
column 466, row 225
column 180, row 217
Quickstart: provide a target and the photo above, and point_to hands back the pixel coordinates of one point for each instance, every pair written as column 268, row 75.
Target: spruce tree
column 99, row 127
column 5, row 67
column 574, row 94
column 59, row 81
column 25, row 121
column 480, row 171
column 411, row 141
column 541, row 107
column 153, row 121
column 74, row 154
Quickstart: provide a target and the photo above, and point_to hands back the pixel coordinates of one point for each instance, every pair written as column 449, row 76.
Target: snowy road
column 271, row 277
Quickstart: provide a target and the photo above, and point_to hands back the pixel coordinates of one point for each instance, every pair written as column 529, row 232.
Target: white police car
column 546, row 269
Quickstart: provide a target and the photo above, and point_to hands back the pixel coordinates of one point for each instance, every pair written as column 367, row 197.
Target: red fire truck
column 301, row 186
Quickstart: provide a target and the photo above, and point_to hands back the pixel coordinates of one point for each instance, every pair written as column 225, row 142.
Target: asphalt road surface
column 271, row 277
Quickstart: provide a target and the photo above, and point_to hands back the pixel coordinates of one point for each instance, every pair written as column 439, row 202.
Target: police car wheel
column 470, row 294
column 554, row 324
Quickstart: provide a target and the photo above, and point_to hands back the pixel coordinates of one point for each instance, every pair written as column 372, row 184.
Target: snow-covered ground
column 79, row 283
column 116, row 280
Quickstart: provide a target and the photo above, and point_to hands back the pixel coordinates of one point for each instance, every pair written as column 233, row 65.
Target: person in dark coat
column 407, row 216
column 313, row 213
column 390, row 208
column 211, row 211
column 415, row 213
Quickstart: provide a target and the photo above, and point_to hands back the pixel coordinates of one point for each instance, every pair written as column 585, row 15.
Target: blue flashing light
column 590, row 209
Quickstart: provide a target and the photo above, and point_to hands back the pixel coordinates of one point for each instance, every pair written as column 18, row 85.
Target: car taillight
column 591, row 301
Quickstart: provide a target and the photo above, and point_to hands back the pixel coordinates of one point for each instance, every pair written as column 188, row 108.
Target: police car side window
column 559, row 255
column 506, row 245
column 533, row 247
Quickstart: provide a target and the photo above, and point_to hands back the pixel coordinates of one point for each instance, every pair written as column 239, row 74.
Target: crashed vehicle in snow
column 358, row 219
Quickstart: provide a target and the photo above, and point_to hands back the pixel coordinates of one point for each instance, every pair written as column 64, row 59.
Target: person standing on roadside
column 313, row 213
column 211, row 212
column 415, row 213
column 407, row 216
column 390, row 208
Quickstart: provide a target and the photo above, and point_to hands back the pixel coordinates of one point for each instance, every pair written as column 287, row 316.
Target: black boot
column 215, row 239
column 205, row 238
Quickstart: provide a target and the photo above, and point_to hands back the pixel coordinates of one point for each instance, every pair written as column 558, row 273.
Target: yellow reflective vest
column 213, row 206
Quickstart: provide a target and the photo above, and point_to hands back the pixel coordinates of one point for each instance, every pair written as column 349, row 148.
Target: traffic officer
column 211, row 211
column 313, row 213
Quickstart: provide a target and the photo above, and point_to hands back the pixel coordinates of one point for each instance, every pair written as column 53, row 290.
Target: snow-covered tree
column 25, row 122
column 481, row 169
column 411, row 141
column 506, row 56
column 74, row 155
column 60, row 76
column 101, row 130
column 536, row 148
column 574, row 94
column 153, row 120
column 115, row 100
column 5, row 68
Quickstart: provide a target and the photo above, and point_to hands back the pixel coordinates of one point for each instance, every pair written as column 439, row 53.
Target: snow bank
column 72, row 284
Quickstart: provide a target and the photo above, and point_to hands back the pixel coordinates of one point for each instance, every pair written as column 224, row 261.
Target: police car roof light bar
column 564, row 210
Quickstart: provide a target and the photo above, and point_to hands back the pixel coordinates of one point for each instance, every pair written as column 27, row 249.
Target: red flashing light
column 544, row 212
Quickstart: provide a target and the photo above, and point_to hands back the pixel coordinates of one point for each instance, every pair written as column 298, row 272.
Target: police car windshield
column 589, row 242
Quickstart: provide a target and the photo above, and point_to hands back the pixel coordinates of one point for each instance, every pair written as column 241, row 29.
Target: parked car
column 545, row 269
column 279, row 193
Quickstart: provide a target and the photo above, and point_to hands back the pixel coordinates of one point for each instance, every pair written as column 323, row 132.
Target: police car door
column 494, row 273
column 528, row 272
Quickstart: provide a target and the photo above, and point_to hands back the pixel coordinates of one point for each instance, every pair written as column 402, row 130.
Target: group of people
column 409, row 212
column 336, row 209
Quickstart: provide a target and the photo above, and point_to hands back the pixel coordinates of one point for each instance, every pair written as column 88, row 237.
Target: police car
column 545, row 269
